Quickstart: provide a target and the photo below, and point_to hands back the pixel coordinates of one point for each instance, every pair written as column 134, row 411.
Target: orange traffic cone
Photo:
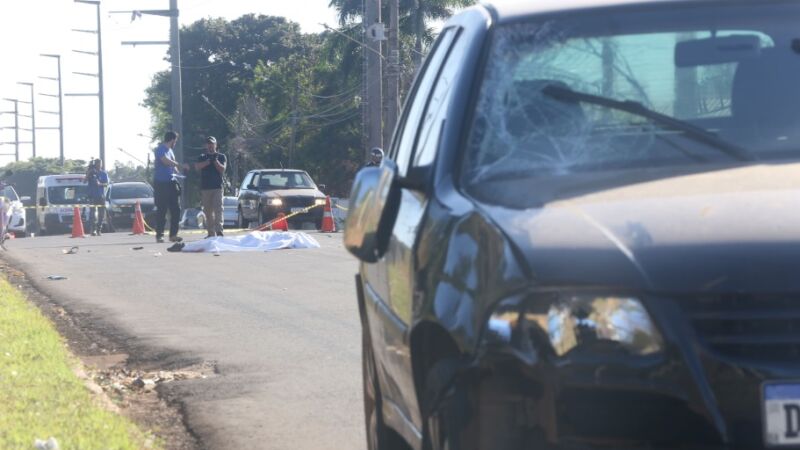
column 280, row 223
column 77, row 223
column 138, row 222
column 328, row 225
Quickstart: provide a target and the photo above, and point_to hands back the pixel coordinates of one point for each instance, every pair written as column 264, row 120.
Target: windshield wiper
column 636, row 108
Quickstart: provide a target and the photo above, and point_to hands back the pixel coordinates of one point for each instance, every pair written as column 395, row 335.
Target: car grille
column 755, row 328
column 298, row 202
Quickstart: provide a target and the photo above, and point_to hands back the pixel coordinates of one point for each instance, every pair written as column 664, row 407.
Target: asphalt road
column 281, row 326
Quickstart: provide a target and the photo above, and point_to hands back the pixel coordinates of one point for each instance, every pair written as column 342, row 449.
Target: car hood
column 132, row 201
column 293, row 193
column 728, row 230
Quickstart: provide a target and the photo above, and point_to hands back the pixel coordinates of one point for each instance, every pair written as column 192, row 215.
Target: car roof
column 511, row 10
column 280, row 170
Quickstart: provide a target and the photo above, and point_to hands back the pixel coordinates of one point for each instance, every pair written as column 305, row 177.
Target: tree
column 415, row 17
column 27, row 173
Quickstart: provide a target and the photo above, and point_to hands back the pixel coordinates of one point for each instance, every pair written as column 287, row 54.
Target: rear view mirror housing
column 717, row 50
column 374, row 202
column 42, row 202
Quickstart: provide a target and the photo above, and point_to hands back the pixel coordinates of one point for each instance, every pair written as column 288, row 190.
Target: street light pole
column 100, row 93
column 33, row 116
column 60, row 112
column 175, row 75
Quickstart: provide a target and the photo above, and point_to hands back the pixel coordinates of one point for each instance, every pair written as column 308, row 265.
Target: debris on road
column 137, row 248
column 57, row 277
column 71, row 251
column 50, row 444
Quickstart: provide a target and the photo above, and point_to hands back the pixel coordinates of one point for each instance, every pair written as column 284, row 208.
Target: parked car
column 193, row 218
column 585, row 233
column 17, row 223
column 265, row 193
column 230, row 212
column 121, row 199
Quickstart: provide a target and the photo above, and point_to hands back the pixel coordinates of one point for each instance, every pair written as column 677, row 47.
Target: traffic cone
column 328, row 224
column 280, row 223
column 77, row 223
column 138, row 222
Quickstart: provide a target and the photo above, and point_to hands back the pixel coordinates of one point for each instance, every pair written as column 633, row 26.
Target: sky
column 31, row 27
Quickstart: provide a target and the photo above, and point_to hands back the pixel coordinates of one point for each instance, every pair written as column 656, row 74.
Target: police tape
column 262, row 227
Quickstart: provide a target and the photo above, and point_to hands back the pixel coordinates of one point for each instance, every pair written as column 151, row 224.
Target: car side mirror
column 322, row 187
column 374, row 202
column 42, row 202
column 252, row 187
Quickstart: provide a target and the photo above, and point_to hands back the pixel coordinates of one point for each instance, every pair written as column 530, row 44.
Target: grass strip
column 40, row 394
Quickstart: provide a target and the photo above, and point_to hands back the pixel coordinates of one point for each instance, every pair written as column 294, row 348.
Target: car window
column 285, row 180
column 122, row 192
column 9, row 193
column 435, row 113
column 248, row 179
column 403, row 148
column 567, row 104
column 66, row 195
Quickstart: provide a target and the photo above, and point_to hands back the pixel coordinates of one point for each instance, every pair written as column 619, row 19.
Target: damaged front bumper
column 595, row 372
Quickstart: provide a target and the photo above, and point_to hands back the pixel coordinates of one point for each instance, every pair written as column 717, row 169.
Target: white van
column 56, row 197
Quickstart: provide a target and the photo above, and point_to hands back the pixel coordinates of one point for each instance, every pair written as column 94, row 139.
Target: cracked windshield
column 561, row 105
column 400, row 225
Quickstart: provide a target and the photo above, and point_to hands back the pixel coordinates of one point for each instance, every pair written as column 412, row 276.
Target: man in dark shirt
column 97, row 181
column 375, row 157
column 211, row 165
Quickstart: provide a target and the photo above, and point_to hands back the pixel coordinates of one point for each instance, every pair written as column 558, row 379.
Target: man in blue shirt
column 97, row 181
column 167, row 190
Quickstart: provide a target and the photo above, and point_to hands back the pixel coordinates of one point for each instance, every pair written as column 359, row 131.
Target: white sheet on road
column 256, row 241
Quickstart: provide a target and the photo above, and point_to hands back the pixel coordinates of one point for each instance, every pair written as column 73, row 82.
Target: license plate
column 297, row 210
column 782, row 414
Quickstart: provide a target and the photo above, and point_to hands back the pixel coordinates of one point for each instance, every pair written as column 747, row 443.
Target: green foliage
column 276, row 97
column 129, row 172
column 40, row 396
column 27, row 173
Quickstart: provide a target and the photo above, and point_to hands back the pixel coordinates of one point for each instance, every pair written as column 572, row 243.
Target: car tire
column 379, row 436
column 472, row 411
column 451, row 418
column 241, row 221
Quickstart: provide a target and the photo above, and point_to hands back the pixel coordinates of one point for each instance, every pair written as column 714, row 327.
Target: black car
column 585, row 233
column 265, row 193
column 121, row 199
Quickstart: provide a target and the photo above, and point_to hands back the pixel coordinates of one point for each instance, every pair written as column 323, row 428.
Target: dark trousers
column 168, row 199
column 97, row 213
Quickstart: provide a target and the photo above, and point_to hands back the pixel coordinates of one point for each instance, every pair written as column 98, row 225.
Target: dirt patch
column 125, row 378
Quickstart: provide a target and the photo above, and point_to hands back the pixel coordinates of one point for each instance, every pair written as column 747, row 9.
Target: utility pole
column 393, row 72
column 32, row 116
column 374, row 32
column 177, row 100
column 60, row 111
column 16, row 126
column 98, row 75
column 293, row 136
column 175, row 75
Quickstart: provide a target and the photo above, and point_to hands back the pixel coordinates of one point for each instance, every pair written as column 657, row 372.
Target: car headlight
column 319, row 202
column 569, row 322
column 275, row 202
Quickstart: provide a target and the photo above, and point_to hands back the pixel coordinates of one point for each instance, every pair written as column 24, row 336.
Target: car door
column 417, row 131
column 248, row 197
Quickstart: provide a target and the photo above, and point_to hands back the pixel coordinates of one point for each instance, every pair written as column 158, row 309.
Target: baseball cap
column 211, row 139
